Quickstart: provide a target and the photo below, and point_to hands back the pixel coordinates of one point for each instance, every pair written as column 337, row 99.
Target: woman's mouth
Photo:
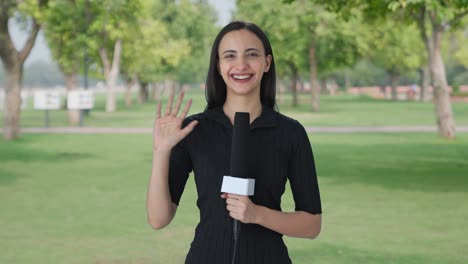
column 241, row 77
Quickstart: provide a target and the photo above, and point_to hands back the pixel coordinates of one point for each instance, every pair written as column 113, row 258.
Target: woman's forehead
column 240, row 40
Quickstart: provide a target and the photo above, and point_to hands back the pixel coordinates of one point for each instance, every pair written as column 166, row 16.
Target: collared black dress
column 279, row 150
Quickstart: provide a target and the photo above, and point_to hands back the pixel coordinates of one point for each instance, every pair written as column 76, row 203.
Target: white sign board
column 46, row 100
column 24, row 100
column 80, row 100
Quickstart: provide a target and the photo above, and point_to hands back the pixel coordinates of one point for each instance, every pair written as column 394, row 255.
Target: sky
column 42, row 52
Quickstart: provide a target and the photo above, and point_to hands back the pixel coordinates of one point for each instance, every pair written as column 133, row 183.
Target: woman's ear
column 268, row 62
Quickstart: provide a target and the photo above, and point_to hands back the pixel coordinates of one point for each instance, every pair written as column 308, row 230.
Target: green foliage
column 460, row 39
column 193, row 23
column 171, row 39
column 66, row 33
column 396, row 47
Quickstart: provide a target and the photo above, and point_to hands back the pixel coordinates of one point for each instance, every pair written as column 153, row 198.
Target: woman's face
column 242, row 62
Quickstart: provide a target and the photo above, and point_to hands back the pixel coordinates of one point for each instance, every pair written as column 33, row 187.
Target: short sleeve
column 302, row 174
column 180, row 166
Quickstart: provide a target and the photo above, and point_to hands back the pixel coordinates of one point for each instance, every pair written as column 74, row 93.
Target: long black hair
column 215, row 91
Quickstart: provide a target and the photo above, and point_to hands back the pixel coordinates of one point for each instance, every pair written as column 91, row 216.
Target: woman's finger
column 175, row 111
column 189, row 128
column 169, row 105
column 187, row 107
column 158, row 110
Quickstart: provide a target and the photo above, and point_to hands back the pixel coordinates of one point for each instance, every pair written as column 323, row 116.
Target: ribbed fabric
column 279, row 151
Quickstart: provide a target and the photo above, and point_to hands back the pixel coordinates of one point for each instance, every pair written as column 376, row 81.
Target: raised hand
column 167, row 130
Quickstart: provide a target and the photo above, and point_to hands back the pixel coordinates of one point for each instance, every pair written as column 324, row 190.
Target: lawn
column 343, row 110
column 387, row 198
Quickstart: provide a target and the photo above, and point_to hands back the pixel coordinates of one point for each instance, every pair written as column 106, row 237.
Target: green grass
column 387, row 198
column 343, row 110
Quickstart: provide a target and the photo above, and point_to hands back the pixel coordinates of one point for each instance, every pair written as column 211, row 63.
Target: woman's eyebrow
column 247, row 50
column 250, row 49
column 226, row 51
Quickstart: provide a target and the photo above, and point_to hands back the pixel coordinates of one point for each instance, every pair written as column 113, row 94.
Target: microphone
column 237, row 182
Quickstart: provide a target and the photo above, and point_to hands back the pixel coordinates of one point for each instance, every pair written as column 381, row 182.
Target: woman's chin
column 243, row 90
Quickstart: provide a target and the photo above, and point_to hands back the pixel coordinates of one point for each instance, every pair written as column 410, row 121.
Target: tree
column 13, row 60
column 195, row 23
column 65, row 30
column 396, row 48
column 110, row 21
column 164, row 47
column 434, row 18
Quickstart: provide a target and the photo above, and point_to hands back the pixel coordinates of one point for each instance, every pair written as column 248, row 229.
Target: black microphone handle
column 239, row 159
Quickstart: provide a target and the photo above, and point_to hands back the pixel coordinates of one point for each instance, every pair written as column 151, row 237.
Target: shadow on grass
column 409, row 166
column 326, row 253
column 19, row 153
column 30, row 155
column 8, row 177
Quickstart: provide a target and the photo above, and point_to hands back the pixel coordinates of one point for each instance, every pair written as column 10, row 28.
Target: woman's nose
column 241, row 63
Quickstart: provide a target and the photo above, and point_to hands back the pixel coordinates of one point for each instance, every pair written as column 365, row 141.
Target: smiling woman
column 241, row 78
column 242, row 62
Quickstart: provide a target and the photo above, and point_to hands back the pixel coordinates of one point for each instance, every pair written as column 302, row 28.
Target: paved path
column 318, row 129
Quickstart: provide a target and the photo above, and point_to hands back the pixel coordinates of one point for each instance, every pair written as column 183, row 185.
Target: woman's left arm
column 294, row 224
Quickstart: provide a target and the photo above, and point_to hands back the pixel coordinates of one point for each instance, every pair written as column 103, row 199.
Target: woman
column 241, row 78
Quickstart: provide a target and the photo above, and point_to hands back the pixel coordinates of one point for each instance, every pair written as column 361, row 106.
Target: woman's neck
column 241, row 104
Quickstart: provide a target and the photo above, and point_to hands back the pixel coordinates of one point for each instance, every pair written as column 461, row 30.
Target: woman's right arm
column 167, row 132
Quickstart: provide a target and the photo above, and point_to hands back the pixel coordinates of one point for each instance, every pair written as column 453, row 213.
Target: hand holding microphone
column 241, row 208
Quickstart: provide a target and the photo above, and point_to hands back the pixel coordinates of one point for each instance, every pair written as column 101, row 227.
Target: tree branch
column 421, row 24
column 454, row 20
column 105, row 60
column 7, row 48
column 23, row 54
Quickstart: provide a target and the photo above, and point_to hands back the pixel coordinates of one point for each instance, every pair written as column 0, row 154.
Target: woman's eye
column 252, row 55
column 229, row 56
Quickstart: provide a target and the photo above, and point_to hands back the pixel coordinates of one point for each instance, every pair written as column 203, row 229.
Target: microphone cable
column 236, row 230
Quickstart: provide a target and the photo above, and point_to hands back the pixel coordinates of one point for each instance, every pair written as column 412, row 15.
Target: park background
column 72, row 194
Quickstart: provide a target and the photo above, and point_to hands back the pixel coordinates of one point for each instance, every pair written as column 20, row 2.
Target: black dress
column 279, row 151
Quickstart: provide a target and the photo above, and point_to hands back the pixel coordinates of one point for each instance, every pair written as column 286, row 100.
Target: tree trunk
column 424, row 82
column 393, row 76
column 70, row 84
column 13, row 61
column 293, row 81
column 314, row 86
column 443, row 105
column 347, row 79
column 143, row 95
column 111, row 72
column 12, row 104
column 128, row 89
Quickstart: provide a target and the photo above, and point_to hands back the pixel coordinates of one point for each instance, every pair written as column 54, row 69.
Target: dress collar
column 268, row 117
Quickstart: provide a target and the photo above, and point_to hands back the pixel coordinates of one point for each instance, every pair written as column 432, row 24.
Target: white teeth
column 241, row 77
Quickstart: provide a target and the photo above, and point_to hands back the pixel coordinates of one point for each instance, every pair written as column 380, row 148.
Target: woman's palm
column 168, row 131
